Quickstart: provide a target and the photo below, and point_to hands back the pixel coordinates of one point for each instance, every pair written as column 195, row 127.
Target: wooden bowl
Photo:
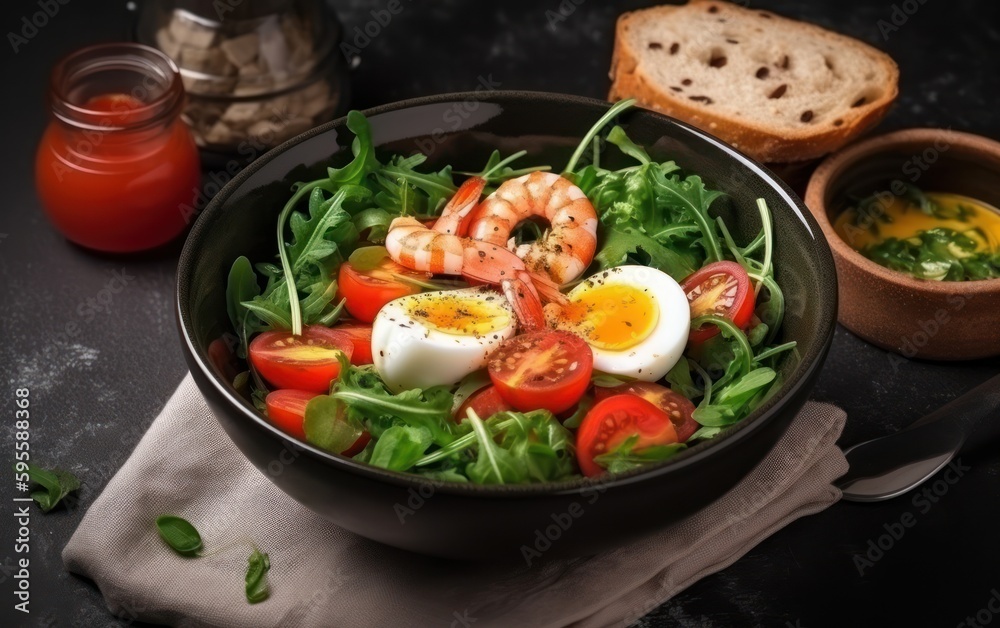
column 949, row 320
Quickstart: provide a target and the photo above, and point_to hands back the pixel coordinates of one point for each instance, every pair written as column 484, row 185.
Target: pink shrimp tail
column 547, row 289
column 457, row 214
column 524, row 299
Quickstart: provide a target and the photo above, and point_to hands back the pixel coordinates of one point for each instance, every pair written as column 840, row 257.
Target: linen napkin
column 322, row 575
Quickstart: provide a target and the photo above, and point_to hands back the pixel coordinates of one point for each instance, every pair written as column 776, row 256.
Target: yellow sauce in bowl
column 933, row 235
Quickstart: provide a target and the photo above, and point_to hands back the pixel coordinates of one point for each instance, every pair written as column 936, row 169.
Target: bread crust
column 760, row 142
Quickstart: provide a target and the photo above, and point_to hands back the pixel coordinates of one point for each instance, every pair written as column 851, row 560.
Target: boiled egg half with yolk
column 437, row 338
column 636, row 320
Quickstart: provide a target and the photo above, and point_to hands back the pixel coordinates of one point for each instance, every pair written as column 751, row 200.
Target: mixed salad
column 523, row 326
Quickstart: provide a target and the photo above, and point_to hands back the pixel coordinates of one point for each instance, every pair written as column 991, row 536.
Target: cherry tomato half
column 287, row 410
column 361, row 336
column 307, row 362
column 542, row 369
column 723, row 289
column 368, row 281
column 677, row 406
column 485, row 402
column 616, row 419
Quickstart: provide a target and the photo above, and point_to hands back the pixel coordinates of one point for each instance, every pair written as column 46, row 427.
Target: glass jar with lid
column 257, row 73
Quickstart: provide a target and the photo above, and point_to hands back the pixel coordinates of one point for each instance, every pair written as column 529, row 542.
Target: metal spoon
column 891, row 465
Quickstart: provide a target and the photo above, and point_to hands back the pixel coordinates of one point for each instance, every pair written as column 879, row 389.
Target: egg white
column 653, row 357
column 410, row 353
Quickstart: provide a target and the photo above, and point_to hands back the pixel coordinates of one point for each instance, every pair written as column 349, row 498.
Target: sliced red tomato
column 223, row 359
column 485, row 402
column 307, row 362
column 723, row 289
column 612, row 421
column 677, row 406
column 287, row 410
column 369, row 280
column 358, row 445
column 361, row 336
column 542, row 369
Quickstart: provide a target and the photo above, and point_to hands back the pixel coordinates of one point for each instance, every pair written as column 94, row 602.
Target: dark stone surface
column 100, row 365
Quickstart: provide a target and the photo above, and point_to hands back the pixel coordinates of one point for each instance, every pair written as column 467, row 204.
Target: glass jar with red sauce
column 117, row 169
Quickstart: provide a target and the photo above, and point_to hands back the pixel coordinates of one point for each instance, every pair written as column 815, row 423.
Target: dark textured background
column 99, row 376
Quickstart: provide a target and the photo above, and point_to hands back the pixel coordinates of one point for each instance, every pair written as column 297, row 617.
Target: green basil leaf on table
column 55, row 485
column 179, row 534
column 258, row 564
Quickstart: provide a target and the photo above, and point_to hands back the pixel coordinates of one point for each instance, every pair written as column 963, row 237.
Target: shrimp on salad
column 568, row 247
column 536, row 269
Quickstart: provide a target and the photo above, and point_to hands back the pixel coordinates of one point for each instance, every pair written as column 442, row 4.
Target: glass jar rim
column 145, row 61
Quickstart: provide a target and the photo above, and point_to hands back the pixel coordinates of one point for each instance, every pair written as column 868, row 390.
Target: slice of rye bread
column 777, row 89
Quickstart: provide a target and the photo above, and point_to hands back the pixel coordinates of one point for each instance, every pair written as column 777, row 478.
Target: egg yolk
column 460, row 316
column 613, row 317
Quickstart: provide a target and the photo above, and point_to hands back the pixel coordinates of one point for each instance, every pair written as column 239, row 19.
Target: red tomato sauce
column 117, row 188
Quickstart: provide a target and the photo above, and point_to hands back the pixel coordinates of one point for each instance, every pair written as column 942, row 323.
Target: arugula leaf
column 400, row 447
column 574, row 420
column 241, row 286
column 437, row 186
column 680, row 380
column 625, row 457
column 494, row 464
column 55, row 485
column 730, row 403
column 691, row 199
column 179, row 534
column 328, row 230
column 619, row 246
column 258, row 564
column 539, row 440
column 618, row 137
column 364, row 393
column 705, row 433
column 363, row 148
column 498, row 170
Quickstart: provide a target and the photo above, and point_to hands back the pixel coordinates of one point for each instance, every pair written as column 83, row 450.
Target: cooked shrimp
column 454, row 219
column 418, row 247
column 567, row 249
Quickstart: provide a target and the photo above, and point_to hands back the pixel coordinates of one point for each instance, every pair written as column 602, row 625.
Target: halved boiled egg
column 437, row 338
column 636, row 320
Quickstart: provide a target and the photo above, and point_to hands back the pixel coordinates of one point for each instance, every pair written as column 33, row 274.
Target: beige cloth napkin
column 322, row 575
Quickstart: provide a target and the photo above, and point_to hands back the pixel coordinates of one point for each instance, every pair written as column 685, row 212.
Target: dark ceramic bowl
column 476, row 522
